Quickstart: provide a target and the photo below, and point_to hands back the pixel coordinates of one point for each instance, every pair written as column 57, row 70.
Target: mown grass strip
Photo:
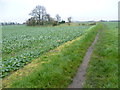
column 103, row 67
column 61, row 66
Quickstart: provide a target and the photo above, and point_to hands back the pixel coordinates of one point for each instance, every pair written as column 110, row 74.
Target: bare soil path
column 79, row 78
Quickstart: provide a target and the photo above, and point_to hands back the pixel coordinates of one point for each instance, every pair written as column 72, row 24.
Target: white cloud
column 18, row 10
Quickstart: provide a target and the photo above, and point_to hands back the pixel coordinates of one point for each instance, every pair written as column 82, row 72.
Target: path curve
column 79, row 78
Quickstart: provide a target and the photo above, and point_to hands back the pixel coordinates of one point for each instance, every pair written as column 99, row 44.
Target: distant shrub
column 55, row 23
column 93, row 23
column 83, row 24
column 62, row 22
column 31, row 22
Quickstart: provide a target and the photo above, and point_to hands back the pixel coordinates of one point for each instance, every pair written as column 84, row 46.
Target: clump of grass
column 103, row 67
column 61, row 67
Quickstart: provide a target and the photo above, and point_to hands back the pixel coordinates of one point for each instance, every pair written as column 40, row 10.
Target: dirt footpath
column 79, row 78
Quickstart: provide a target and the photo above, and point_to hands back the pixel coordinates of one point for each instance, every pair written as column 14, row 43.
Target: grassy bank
column 56, row 68
column 103, row 67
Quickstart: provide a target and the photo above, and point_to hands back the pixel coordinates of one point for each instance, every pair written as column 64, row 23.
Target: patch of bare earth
column 79, row 78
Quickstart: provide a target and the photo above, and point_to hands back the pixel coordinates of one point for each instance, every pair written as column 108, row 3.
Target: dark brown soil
column 79, row 78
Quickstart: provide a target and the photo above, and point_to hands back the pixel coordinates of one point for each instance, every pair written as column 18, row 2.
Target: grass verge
column 58, row 66
column 102, row 71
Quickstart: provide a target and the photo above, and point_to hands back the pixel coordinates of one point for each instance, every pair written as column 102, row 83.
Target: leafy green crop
column 21, row 44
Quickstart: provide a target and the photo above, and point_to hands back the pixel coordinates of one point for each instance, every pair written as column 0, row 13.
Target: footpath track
column 79, row 78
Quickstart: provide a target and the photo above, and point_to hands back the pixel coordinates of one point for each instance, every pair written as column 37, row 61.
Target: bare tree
column 40, row 17
column 43, row 11
column 48, row 18
column 58, row 18
column 39, row 13
column 69, row 20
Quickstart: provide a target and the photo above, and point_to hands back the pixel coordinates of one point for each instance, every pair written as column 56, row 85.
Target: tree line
column 41, row 17
column 9, row 23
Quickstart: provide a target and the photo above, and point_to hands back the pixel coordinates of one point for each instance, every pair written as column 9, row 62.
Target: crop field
column 21, row 44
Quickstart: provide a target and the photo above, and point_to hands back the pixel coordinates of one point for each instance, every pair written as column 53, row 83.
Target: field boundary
column 80, row 75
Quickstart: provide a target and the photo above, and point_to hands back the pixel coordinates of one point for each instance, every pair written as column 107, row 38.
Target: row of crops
column 21, row 44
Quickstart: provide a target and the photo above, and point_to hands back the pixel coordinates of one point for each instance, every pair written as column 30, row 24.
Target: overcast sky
column 79, row 10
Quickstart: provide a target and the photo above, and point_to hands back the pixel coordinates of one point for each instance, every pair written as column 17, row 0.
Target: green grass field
column 103, row 67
